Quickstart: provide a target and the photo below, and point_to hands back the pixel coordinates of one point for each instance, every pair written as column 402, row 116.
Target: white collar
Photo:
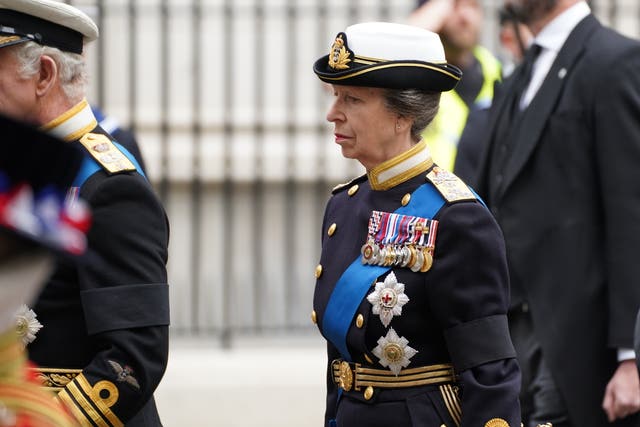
column 73, row 123
column 555, row 33
column 401, row 168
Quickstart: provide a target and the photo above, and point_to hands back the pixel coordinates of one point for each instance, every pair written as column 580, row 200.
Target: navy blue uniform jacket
column 456, row 311
column 104, row 342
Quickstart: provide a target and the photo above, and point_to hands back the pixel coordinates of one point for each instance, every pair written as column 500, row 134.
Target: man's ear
column 48, row 75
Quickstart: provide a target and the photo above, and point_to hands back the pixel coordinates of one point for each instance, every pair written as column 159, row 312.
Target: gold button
column 359, row 320
column 405, row 199
column 368, row 359
column 332, row 229
column 368, row 393
column 314, row 318
column 353, row 190
column 318, row 271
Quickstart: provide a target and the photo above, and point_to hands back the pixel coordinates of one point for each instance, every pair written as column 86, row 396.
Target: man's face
column 17, row 94
column 529, row 11
column 461, row 30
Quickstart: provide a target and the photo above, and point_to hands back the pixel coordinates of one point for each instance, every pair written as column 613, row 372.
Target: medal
column 419, row 261
column 394, row 351
column 367, row 252
column 388, row 298
column 428, row 260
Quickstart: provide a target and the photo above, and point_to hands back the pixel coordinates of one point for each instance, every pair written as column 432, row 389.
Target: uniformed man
column 412, row 284
column 104, row 341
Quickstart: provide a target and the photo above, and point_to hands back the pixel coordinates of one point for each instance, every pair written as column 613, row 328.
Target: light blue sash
column 356, row 280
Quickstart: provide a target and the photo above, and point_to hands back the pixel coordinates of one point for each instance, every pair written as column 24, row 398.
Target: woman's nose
column 334, row 113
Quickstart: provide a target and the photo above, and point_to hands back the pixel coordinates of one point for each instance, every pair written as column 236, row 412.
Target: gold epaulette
column 449, row 185
column 106, row 153
column 340, row 187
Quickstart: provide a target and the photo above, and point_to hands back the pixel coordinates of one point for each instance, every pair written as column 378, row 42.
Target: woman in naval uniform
column 412, row 285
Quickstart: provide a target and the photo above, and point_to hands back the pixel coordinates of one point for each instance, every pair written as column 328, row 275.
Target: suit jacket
column 568, row 202
column 455, row 312
column 104, row 342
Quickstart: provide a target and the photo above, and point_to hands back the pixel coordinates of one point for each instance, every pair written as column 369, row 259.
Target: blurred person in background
column 412, row 285
column 514, row 38
column 35, row 224
column 560, row 173
column 104, row 341
column 459, row 23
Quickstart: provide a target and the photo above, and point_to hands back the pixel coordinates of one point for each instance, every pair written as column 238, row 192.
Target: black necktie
column 523, row 77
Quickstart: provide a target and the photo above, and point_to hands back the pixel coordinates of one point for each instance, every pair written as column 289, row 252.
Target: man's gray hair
column 421, row 106
column 71, row 67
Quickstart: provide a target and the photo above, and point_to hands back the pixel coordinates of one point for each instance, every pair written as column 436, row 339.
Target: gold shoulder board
column 106, row 154
column 449, row 185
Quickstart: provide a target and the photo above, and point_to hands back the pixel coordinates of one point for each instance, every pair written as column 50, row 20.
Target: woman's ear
column 403, row 124
column 48, row 75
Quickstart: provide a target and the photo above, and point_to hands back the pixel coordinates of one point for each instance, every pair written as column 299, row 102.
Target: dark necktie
column 524, row 75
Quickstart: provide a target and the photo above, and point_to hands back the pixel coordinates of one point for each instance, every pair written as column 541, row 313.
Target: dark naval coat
column 418, row 344
column 104, row 342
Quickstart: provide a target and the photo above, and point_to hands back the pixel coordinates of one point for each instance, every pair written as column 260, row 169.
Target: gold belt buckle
column 345, row 379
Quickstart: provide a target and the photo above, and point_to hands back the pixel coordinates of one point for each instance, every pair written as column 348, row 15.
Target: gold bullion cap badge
column 339, row 56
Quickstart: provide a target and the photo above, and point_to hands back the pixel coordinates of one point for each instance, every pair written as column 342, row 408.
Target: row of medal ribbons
column 400, row 240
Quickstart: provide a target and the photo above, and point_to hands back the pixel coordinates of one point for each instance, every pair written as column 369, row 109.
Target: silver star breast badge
column 394, row 351
column 388, row 298
column 27, row 325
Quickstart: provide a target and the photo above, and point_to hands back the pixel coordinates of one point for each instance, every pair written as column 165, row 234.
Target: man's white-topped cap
column 47, row 22
column 388, row 55
column 394, row 42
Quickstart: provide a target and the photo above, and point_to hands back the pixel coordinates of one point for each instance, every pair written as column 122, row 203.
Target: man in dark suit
column 104, row 343
column 560, row 173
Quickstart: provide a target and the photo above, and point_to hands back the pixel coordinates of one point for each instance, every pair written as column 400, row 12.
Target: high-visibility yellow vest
column 443, row 133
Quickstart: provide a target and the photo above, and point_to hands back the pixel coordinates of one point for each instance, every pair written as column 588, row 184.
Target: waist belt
column 55, row 378
column 353, row 375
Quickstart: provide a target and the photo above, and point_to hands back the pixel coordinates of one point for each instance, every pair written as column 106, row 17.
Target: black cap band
column 39, row 30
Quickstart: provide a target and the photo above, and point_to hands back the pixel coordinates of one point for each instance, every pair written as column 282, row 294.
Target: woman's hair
column 420, row 105
column 71, row 67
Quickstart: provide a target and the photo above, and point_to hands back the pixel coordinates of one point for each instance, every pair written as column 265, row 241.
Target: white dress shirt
column 551, row 39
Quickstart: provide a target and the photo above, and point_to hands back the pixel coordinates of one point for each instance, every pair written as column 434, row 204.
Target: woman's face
column 363, row 126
